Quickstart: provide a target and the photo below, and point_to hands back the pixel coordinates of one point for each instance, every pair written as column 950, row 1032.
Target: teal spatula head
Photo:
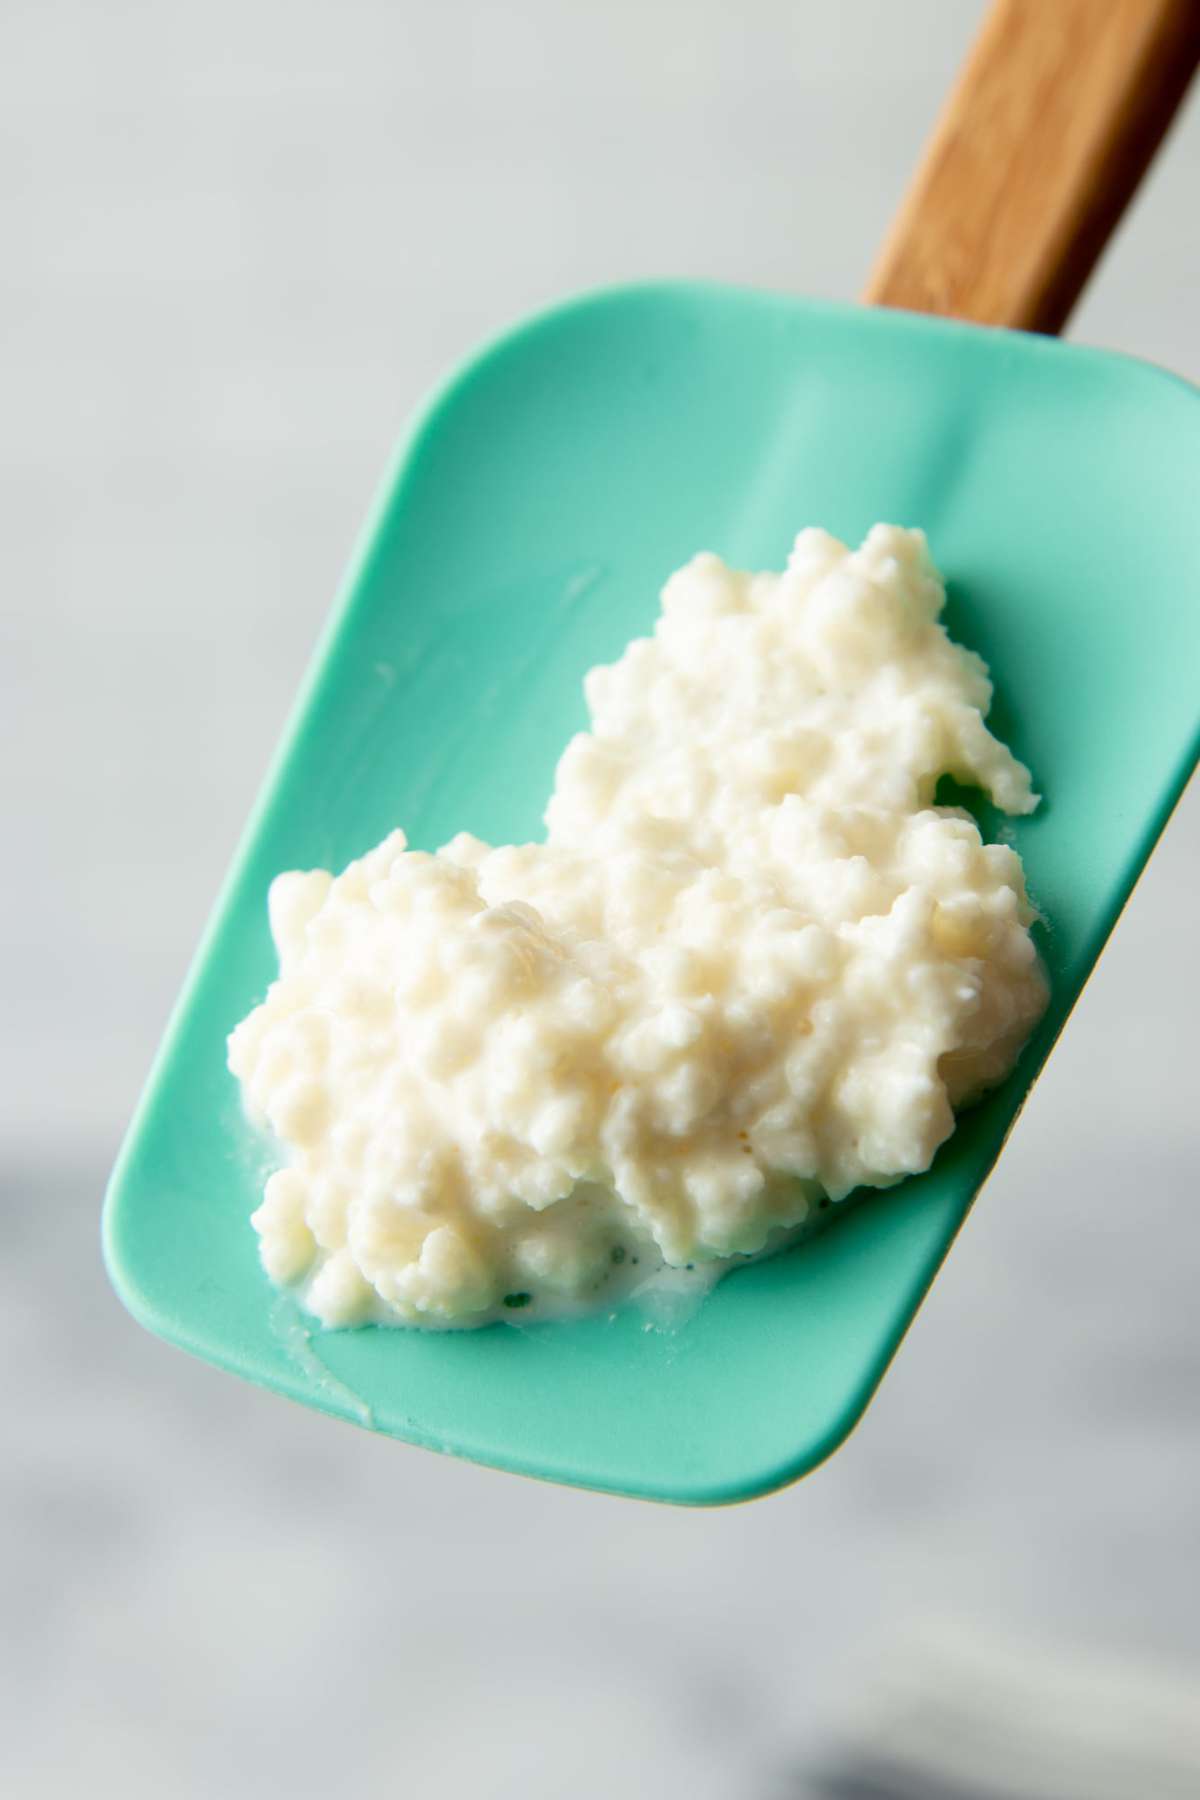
column 523, row 534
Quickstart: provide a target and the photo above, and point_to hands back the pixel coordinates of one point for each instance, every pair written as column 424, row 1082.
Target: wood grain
column 1039, row 148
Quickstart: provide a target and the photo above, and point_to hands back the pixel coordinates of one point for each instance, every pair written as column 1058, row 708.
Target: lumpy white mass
column 752, row 965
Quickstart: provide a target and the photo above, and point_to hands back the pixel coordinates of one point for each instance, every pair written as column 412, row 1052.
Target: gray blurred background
column 239, row 241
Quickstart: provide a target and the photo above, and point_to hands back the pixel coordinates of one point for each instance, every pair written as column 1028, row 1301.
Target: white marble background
column 238, row 240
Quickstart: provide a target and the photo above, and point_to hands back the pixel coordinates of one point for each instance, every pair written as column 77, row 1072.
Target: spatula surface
column 534, row 512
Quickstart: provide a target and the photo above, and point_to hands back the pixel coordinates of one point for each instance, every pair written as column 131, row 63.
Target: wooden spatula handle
column 1053, row 121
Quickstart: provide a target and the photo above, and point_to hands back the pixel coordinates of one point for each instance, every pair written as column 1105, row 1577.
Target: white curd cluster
column 752, row 965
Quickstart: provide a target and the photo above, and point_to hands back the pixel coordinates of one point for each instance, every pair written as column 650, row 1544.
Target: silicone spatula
column 522, row 534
